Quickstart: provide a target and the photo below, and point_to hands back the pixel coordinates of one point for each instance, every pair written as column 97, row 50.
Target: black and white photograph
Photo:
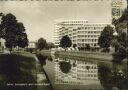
column 63, row 45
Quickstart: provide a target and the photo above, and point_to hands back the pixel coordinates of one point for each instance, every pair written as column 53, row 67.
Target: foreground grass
column 17, row 69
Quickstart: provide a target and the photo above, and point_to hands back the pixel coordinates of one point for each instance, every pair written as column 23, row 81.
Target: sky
column 39, row 17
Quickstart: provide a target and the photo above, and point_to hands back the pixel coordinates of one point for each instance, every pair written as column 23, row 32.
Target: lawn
column 17, row 71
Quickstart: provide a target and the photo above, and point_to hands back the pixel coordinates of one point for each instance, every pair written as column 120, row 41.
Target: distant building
column 32, row 44
column 81, row 32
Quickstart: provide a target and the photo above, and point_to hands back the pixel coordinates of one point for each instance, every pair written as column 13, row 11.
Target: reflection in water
column 114, row 77
column 64, row 66
column 81, row 72
column 42, row 75
column 108, row 75
column 105, row 75
column 42, row 59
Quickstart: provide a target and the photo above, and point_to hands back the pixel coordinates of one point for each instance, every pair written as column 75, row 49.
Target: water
column 82, row 74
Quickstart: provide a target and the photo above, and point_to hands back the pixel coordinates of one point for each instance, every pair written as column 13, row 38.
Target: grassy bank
column 17, row 71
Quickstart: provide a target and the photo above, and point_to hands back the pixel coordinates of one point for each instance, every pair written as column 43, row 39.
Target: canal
column 26, row 71
column 76, row 74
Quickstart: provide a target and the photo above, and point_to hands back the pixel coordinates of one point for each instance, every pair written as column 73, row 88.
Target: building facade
column 81, row 32
column 32, row 44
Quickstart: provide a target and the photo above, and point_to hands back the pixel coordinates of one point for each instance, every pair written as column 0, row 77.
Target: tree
column 65, row 42
column 122, row 39
column 106, row 36
column 65, row 67
column 124, row 16
column 22, row 40
column 13, row 32
column 41, row 44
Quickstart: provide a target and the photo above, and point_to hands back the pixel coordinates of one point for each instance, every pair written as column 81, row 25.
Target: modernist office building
column 81, row 32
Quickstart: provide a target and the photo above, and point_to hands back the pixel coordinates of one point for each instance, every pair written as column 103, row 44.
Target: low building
column 32, row 44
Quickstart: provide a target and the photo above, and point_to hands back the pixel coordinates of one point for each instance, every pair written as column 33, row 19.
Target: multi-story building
column 81, row 32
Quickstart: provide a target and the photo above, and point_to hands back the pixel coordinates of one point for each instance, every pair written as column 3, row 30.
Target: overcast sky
column 38, row 16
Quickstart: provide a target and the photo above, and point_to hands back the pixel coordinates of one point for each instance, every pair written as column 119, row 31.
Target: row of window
column 84, row 44
column 88, row 36
column 75, row 22
column 81, row 28
column 87, row 40
column 93, row 28
column 85, row 72
column 89, row 32
column 90, row 67
column 72, row 24
column 84, row 79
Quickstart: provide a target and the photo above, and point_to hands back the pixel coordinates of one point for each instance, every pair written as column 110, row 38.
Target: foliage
column 120, row 54
column 122, row 39
column 110, row 78
column 105, row 77
column 65, row 42
column 41, row 44
column 13, row 32
column 124, row 16
column 65, row 66
column 106, row 36
column 50, row 45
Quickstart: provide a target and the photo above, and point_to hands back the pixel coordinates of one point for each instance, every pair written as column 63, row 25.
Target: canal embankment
column 82, row 55
column 22, row 71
